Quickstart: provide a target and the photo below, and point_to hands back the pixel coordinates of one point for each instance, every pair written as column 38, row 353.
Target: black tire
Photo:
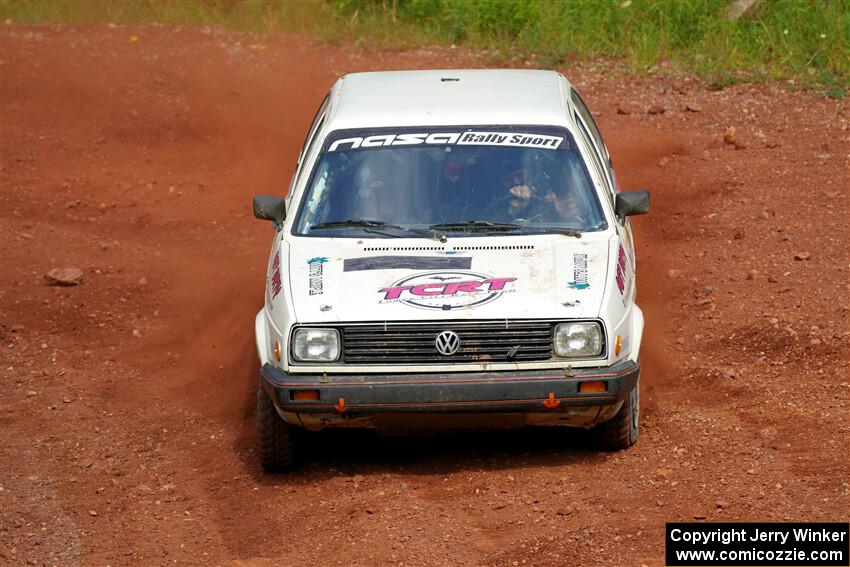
column 621, row 432
column 277, row 441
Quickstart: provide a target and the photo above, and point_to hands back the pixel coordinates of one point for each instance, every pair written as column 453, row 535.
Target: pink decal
column 394, row 292
column 466, row 287
column 275, row 283
column 498, row 284
column 432, row 289
column 621, row 269
column 422, row 289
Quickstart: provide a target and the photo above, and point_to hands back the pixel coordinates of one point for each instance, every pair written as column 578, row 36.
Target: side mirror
column 632, row 203
column 269, row 208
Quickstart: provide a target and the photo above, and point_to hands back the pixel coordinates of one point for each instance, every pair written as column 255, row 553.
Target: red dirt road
column 126, row 402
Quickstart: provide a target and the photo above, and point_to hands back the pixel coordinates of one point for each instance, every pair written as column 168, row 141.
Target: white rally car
column 453, row 252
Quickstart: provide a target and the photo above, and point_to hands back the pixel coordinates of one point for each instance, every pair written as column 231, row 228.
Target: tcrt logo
column 446, row 290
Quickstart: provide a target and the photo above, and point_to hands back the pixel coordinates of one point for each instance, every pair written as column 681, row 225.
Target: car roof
column 448, row 97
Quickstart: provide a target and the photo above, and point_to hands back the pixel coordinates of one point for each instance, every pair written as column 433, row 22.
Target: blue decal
column 579, row 272
column 316, row 275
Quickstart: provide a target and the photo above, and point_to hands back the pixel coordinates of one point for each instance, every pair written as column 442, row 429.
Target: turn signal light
column 595, row 387
column 619, row 345
column 277, row 351
column 305, row 395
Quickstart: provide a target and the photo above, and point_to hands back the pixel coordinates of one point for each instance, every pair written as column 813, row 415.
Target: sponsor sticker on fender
column 624, row 280
column 275, row 284
column 316, row 272
column 579, row 272
column 446, row 290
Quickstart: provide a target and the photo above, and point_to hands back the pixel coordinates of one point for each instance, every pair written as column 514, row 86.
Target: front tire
column 621, row 432
column 277, row 441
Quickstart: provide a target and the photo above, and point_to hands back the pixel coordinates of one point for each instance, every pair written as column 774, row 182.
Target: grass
column 807, row 41
column 804, row 40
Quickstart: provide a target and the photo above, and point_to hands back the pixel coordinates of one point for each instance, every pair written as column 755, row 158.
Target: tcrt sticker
column 446, row 290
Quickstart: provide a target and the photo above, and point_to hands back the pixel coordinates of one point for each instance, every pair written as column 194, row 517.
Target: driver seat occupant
column 531, row 193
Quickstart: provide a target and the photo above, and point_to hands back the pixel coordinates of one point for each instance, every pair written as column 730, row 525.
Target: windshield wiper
column 551, row 229
column 477, row 225
column 365, row 223
column 349, row 222
column 505, row 228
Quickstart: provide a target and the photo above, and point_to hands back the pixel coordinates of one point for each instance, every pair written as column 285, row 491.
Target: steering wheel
column 501, row 206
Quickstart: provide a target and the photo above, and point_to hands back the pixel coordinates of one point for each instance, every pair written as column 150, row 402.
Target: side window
column 594, row 156
column 593, row 130
column 315, row 126
column 590, row 124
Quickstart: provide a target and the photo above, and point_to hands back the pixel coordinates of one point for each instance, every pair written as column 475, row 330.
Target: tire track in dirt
column 635, row 154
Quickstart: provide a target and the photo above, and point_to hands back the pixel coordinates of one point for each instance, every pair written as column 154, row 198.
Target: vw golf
column 453, row 252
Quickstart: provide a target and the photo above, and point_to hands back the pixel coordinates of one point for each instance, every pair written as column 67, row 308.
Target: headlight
column 578, row 339
column 315, row 345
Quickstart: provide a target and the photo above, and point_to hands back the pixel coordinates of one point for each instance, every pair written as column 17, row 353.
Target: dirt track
column 126, row 403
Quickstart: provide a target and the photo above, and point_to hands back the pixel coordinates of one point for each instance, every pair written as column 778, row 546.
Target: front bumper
column 467, row 392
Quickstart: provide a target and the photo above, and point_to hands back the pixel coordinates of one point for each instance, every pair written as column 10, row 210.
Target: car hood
column 545, row 276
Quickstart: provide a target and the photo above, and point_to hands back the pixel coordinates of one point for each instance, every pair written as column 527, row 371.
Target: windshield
column 455, row 181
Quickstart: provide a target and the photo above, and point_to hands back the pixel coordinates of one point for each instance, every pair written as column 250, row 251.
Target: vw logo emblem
column 447, row 343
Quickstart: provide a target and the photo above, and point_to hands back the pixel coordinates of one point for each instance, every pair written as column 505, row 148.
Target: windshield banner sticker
column 579, row 272
column 446, row 290
column 510, row 139
column 513, row 139
column 316, row 272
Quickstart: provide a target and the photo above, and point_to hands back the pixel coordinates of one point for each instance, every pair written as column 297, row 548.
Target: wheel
column 277, row 441
column 621, row 432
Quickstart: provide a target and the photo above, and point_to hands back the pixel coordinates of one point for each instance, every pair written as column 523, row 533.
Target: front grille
column 480, row 341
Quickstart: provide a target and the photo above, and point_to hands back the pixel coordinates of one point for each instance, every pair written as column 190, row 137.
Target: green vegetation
column 804, row 40
column 807, row 40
